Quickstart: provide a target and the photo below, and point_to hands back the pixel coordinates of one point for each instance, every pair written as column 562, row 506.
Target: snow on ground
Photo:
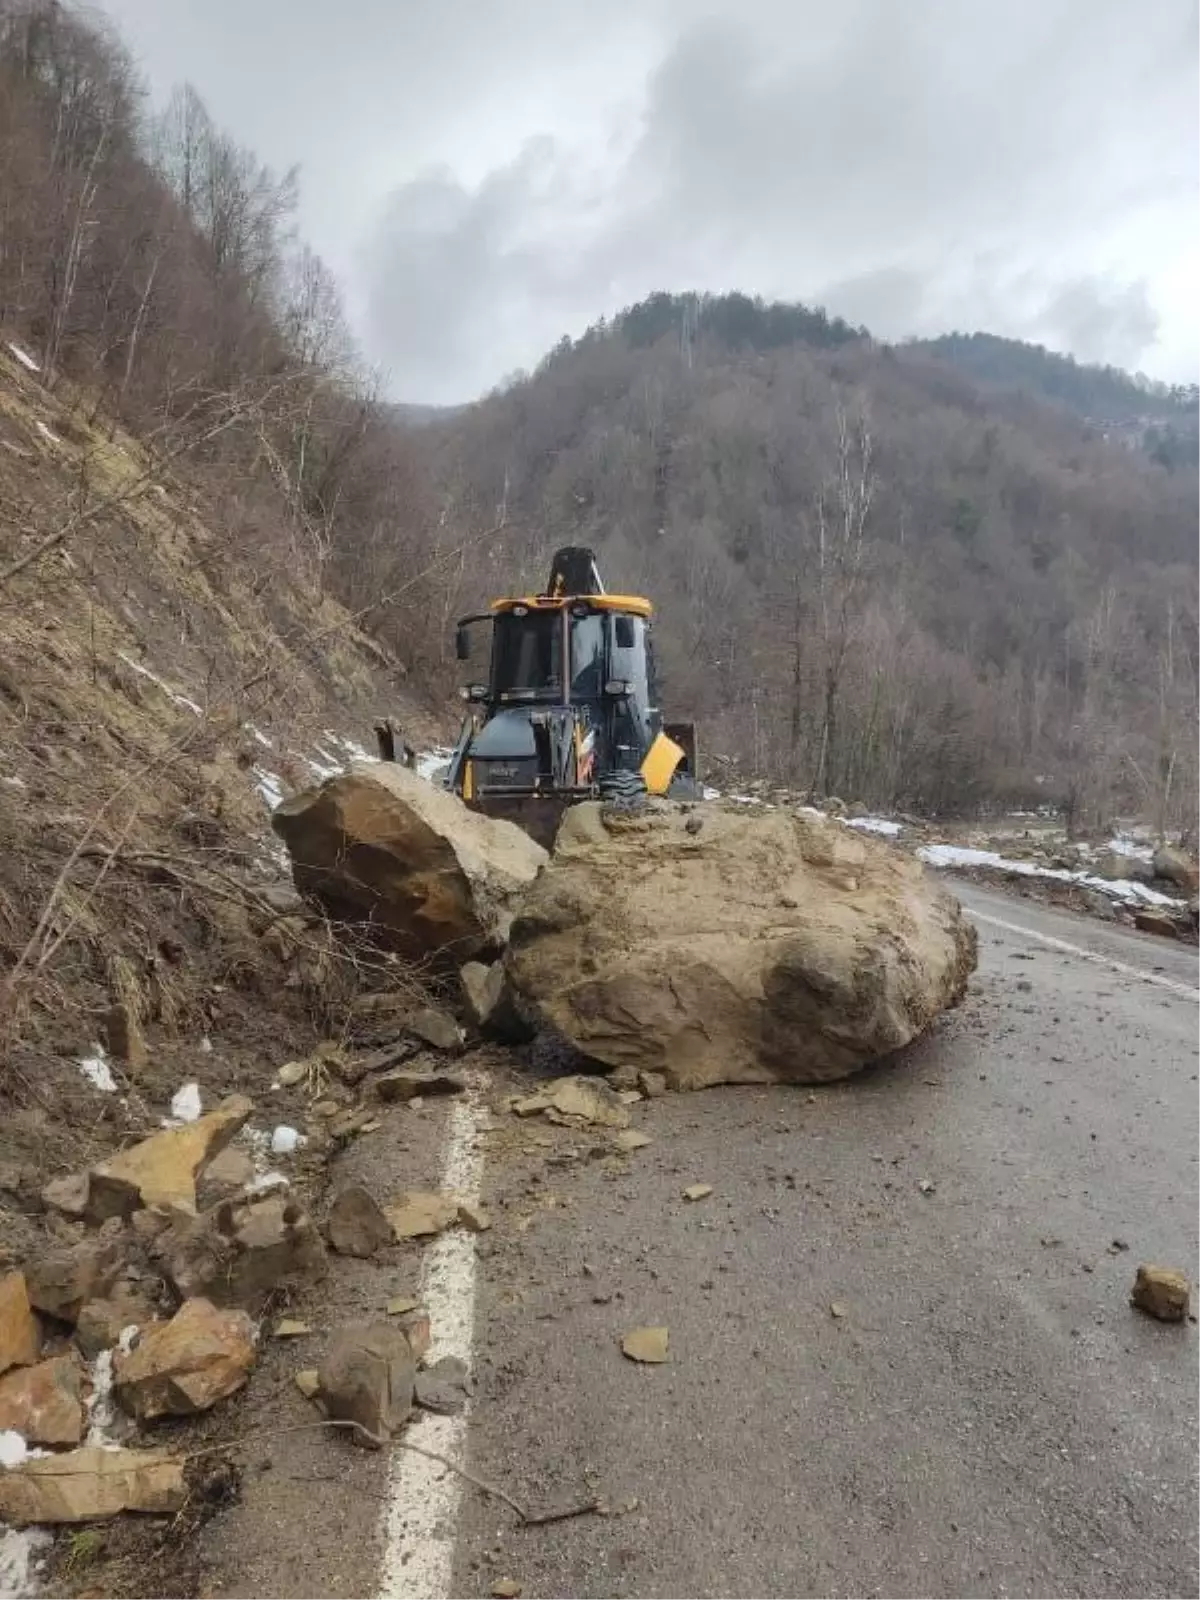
column 97, row 1071
column 953, row 855
column 47, row 433
column 144, row 672
column 23, row 356
column 19, row 1552
column 269, row 786
column 429, row 762
column 185, row 1103
column 881, row 825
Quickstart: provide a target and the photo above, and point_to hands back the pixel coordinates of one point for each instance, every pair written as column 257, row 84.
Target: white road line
column 1089, row 955
column 421, row 1519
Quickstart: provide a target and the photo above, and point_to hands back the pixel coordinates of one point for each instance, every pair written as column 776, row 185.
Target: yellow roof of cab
column 601, row 602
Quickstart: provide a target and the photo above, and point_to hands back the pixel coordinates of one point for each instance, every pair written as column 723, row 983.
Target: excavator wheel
column 622, row 787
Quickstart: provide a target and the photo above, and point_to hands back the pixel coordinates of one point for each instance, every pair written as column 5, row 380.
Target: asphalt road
column 982, row 1414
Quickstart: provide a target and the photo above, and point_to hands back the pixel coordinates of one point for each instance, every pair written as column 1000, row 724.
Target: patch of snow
column 327, row 767
column 10, row 780
column 101, row 1409
column 285, row 1140
column 144, row 672
column 707, row 792
column 19, row 1561
column 953, row 855
column 430, row 762
column 874, row 825
column 269, row 786
column 1123, row 844
column 267, row 1181
column 23, row 356
column 206, row 1046
column 47, row 433
column 257, row 733
column 97, row 1071
column 13, row 1449
column 185, row 1103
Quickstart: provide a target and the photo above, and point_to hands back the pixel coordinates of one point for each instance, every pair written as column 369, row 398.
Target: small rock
column 443, row 1387
column 308, row 1381
column 161, row 1171
column 367, row 1377
column 647, row 1345
column 590, row 1100
column 291, row 1073
column 349, row 1123
column 68, row 1196
column 89, row 1484
column 1161, row 1292
column 124, row 1036
column 357, row 1225
column 697, row 1191
column 291, row 1328
column 436, row 1028
column 228, row 1174
column 186, row 1365
column 1147, row 920
column 61, row 1281
column 242, row 1251
column 401, row 1304
column 627, row 1140
column 629, row 1097
column 351, row 1070
column 491, row 1005
column 101, row 1322
column 419, row 1214
column 837, row 1310
column 407, row 1083
column 927, row 1186
column 506, row 1589
column 693, row 824
column 44, row 1403
column 415, row 1326
column 473, row 1217
column 623, row 1077
column 20, row 1336
column 652, row 1084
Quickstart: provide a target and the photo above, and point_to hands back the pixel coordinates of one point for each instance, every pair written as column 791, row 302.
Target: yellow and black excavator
column 570, row 709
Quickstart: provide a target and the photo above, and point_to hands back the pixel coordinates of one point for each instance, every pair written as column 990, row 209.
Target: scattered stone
column 697, row 1191
column 20, row 1336
column 408, row 1083
column 401, row 1304
column 239, row 1253
column 229, row 1174
column 623, row 1077
column 627, row 1140
column 326, row 1108
column 419, row 1214
column 437, row 1029
column 838, row 1311
column 473, row 1216
column 379, row 844
column 308, row 1381
column 123, row 1033
column 444, row 1387
column 101, row 1322
column 629, row 1097
column 291, row 1073
column 367, row 1377
column 89, row 1484
column 415, row 1326
column 68, row 1196
column 1161, row 1292
column 349, row 1123
column 351, row 1070
column 161, row 1171
column 204, row 1354
column 647, row 1345
column 44, row 1403
column 61, row 1281
column 652, row 1084
column 810, row 994
column 1177, row 867
column 506, row 1589
column 1149, row 919
column 491, row 1005
column 291, row 1328
column 357, row 1225
column 590, row 1100
column 927, row 1186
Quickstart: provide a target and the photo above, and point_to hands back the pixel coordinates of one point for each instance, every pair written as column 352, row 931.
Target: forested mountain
column 876, row 573
column 874, row 576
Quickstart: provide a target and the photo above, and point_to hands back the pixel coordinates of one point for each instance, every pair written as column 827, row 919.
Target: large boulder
column 1177, row 867
column 765, row 947
column 380, row 844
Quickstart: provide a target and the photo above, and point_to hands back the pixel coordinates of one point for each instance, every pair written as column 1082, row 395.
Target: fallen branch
column 529, row 1519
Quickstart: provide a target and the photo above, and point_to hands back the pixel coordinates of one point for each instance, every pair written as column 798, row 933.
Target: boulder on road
column 161, row 1171
column 367, row 1377
column 357, row 1225
column 770, row 947
column 91, row 1483
column 379, row 844
column 239, row 1253
column 1177, row 867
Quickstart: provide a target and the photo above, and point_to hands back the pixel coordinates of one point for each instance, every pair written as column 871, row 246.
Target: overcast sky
column 486, row 175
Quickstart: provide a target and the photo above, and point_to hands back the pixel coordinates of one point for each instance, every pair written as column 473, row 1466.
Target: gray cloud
column 487, row 176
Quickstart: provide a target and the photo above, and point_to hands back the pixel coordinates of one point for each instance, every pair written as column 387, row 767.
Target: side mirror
column 462, row 644
column 624, row 633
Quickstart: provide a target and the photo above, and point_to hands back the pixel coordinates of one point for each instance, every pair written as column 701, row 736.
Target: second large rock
column 765, row 947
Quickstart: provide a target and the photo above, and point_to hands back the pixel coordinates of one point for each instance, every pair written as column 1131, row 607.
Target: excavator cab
column 569, row 710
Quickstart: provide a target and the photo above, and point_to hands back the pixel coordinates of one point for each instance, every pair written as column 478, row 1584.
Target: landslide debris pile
column 712, row 945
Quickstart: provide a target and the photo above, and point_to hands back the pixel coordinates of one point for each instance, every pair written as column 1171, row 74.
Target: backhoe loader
column 569, row 710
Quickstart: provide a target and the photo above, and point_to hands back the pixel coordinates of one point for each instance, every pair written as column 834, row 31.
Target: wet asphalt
column 902, row 1356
